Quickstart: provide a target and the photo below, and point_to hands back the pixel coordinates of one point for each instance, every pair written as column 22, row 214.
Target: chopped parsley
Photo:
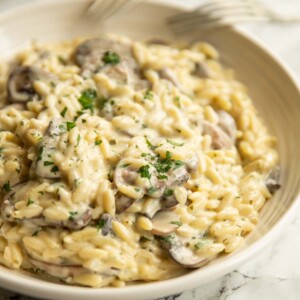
column 144, row 171
column 72, row 215
column 199, row 245
column 6, row 187
column 63, row 112
column 40, row 152
column 149, row 144
column 48, row 163
column 148, row 95
column 137, row 189
column 176, row 223
column 70, row 125
column 78, row 139
column 100, row 224
column 178, row 164
column 54, row 169
column 112, row 58
column 177, row 101
column 162, row 177
column 87, row 99
column 168, row 192
column 174, row 143
column 152, row 190
column 169, row 239
column 125, row 165
column 98, row 142
column 29, row 202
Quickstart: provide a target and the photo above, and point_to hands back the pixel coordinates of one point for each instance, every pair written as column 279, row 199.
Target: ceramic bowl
column 271, row 85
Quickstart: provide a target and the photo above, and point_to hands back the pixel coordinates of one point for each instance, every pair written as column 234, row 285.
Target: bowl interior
column 275, row 95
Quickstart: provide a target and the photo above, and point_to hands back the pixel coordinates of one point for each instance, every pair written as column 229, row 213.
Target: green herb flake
column 78, row 139
column 54, row 169
column 63, row 112
column 98, row 142
column 175, row 144
column 177, row 223
column 178, row 164
column 137, row 189
column 125, row 165
column 169, row 239
column 48, row 163
column 70, row 125
column 177, row 101
column 152, row 190
column 111, row 58
column 29, row 202
column 72, row 215
column 144, row 171
column 40, row 153
column 87, row 99
column 162, row 177
column 149, row 95
column 100, row 224
column 199, row 245
column 168, row 192
column 6, row 187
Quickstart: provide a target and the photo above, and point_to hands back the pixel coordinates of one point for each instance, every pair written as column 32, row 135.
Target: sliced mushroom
column 17, row 194
column 122, row 203
column 151, row 207
column 186, row 257
column 164, row 222
column 44, row 166
column 168, row 74
column 202, row 70
column 59, row 271
column 89, row 56
column 220, row 140
column 182, row 254
column 272, row 181
column 106, row 223
column 227, row 124
column 20, row 83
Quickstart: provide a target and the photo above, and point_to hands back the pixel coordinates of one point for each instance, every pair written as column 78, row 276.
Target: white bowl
column 271, row 85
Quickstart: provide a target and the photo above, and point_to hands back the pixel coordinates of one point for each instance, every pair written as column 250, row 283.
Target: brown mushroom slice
column 227, row 124
column 164, row 222
column 220, row 140
column 122, row 202
column 59, row 271
column 168, row 74
column 272, row 181
column 192, row 163
column 20, row 83
column 44, row 166
column 185, row 256
column 202, row 70
column 89, row 56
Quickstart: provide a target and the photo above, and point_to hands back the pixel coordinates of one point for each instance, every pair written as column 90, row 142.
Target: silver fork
column 107, row 11
column 219, row 13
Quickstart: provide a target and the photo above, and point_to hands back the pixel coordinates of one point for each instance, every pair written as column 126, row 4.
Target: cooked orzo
column 127, row 161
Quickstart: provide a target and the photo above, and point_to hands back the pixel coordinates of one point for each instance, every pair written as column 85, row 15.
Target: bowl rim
column 35, row 287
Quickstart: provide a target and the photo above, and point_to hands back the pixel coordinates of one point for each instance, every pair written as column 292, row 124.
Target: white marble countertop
column 275, row 273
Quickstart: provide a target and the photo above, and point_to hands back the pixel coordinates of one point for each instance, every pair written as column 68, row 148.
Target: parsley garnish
column 98, row 142
column 176, row 223
column 177, row 100
column 100, row 224
column 199, row 245
column 125, row 165
column 152, row 190
column 169, row 239
column 70, row 125
column 72, row 215
column 87, row 99
column 178, row 164
column 29, row 202
column 78, row 139
column 40, row 152
column 54, row 169
column 48, row 163
column 168, row 192
column 63, row 112
column 148, row 95
column 111, row 58
column 152, row 147
column 174, row 143
column 6, row 187
column 144, row 171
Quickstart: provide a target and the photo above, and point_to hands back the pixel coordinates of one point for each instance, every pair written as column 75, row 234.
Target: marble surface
column 275, row 273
